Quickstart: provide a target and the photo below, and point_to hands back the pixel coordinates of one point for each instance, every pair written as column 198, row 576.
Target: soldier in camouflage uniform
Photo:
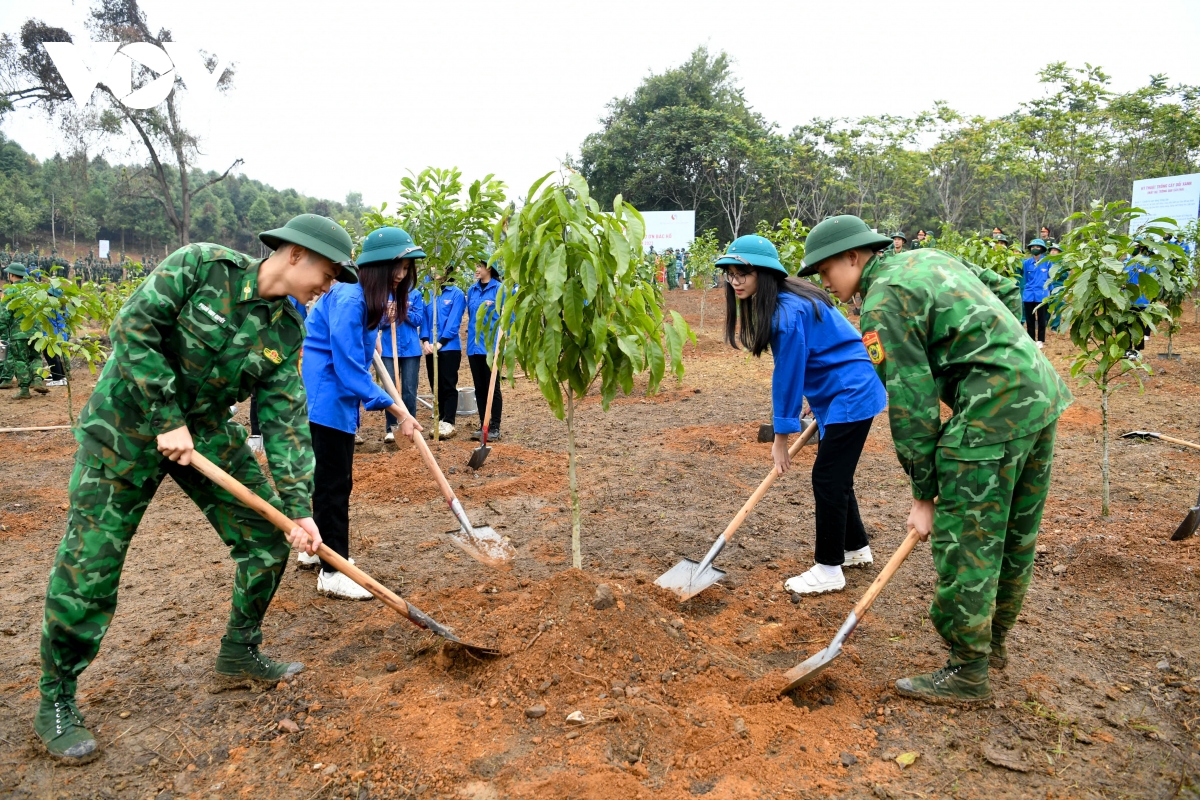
column 208, row 329
column 22, row 363
column 941, row 329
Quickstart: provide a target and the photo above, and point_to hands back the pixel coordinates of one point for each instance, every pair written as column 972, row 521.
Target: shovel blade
column 478, row 456
column 808, row 670
column 686, row 579
column 485, row 546
column 1188, row 526
column 423, row 620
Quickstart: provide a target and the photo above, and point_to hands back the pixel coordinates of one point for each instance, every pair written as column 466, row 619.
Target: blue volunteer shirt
column 1035, row 275
column 477, row 295
column 823, row 360
column 408, row 332
column 451, row 306
column 338, row 346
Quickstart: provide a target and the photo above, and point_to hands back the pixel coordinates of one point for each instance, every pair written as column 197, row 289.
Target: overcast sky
column 331, row 98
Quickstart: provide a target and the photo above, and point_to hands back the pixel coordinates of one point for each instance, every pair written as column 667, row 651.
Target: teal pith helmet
column 752, row 251
column 1001, row 238
column 837, row 235
column 387, row 244
column 16, row 270
column 1036, row 243
column 899, row 235
column 321, row 235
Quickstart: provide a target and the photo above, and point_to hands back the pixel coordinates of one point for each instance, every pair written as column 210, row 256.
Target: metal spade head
column 1188, row 526
column 1139, row 435
column 478, row 456
column 808, row 670
column 686, row 579
column 485, row 546
column 420, row 618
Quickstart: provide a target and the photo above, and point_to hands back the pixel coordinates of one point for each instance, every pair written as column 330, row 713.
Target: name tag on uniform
column 208, row 310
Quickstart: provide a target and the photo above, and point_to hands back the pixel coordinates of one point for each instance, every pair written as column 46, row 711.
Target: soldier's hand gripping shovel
column 809, row 669
column 410, row 612
column 480, row 454
column 688, row 578
column 482, row 544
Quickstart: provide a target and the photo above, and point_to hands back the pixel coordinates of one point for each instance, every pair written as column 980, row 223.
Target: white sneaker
column 817, row 580
column 60, row 382
column 445, row 430
column 255, row 442
column 389, row 437
column 856, row 557
column 335, row 584
column 1041, row 345
column 358, row 439
column 305, row 561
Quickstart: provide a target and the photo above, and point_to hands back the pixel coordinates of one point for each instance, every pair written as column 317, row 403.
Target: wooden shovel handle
column 768, row 481
column 395, row 354
column 419, row 441
column 487, row 414
column 889, row 570
column 1179, row 442
column 279, row 520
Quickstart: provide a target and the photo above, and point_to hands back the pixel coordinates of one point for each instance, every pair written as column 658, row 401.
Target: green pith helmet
column 837, row 235
column 1037, row 243
column 17, row 270
column 321, row 235
column 387, row 244
column 1055, row 246
column 1001, row 238
column 899, row 235
column 752, row 251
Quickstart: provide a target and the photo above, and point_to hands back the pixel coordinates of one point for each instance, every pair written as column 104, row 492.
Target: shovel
column 480, row 454
column 413, row 614
column 687, row 578
column 1189, row 524
column 808, row 670
column 482, row 544
column 1153, row 435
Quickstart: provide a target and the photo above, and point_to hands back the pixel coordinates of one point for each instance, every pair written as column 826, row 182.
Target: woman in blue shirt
column 1035, row 276
column 407, row 355
column 484, row 292
column 819, row 356
column 450, row 306
column 339, row 344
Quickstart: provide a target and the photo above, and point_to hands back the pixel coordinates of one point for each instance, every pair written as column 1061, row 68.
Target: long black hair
column 758, row 312
column 377, row 279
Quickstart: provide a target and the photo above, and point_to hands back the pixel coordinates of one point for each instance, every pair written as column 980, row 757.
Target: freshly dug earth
column 676, row 700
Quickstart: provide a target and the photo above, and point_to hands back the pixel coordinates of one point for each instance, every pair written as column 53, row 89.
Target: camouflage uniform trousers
column 81, row 597
column 985, row 528
column 20, row 363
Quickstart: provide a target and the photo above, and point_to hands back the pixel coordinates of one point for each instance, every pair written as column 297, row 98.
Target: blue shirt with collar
column 451, row 306
column 1035, row 274
column 477, row 295
column 408, row 332
column 338, row 346
column 823, row 360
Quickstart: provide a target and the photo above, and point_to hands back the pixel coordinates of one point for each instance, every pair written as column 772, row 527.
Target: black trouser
column 447, row 383
column 839, row 527
column 57, row 373
column 482, row 377
column 1035, row 321
column 254, row 429
column 332, row 481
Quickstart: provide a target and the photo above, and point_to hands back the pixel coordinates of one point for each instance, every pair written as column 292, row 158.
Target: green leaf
column 1107, row 286
column 573, row 307
column 556, row 273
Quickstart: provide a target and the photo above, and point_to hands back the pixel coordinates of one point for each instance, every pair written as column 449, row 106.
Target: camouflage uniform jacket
column 192, row 340
column 936, row 328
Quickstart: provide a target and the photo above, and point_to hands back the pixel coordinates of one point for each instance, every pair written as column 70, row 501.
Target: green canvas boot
column 7, row 383
column 60, row 727
column 39, row 386
column 998, row 659
column 954, row 683
column 24, row 394
column 238, row 663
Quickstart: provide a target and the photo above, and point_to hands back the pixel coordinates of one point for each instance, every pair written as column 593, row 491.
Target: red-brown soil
column 1102, row 697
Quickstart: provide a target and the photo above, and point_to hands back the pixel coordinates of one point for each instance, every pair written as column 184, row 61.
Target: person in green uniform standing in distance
column 22, row 362
column 206, row 330
column 939, row 329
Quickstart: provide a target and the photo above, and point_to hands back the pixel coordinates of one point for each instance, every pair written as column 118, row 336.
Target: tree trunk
column 66, row 359
column 437, row 419
column 576, row 555
column 1104, row 511
column 703, row 297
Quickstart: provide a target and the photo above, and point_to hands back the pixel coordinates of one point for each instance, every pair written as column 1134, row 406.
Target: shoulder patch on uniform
column 272, row 355
column 874, row 347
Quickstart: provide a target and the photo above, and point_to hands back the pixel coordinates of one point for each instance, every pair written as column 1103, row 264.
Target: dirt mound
column 668, row 699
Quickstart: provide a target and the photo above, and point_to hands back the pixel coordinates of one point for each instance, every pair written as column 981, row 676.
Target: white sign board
column 1176, row 196
column 103, row 248
column 674, row 229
